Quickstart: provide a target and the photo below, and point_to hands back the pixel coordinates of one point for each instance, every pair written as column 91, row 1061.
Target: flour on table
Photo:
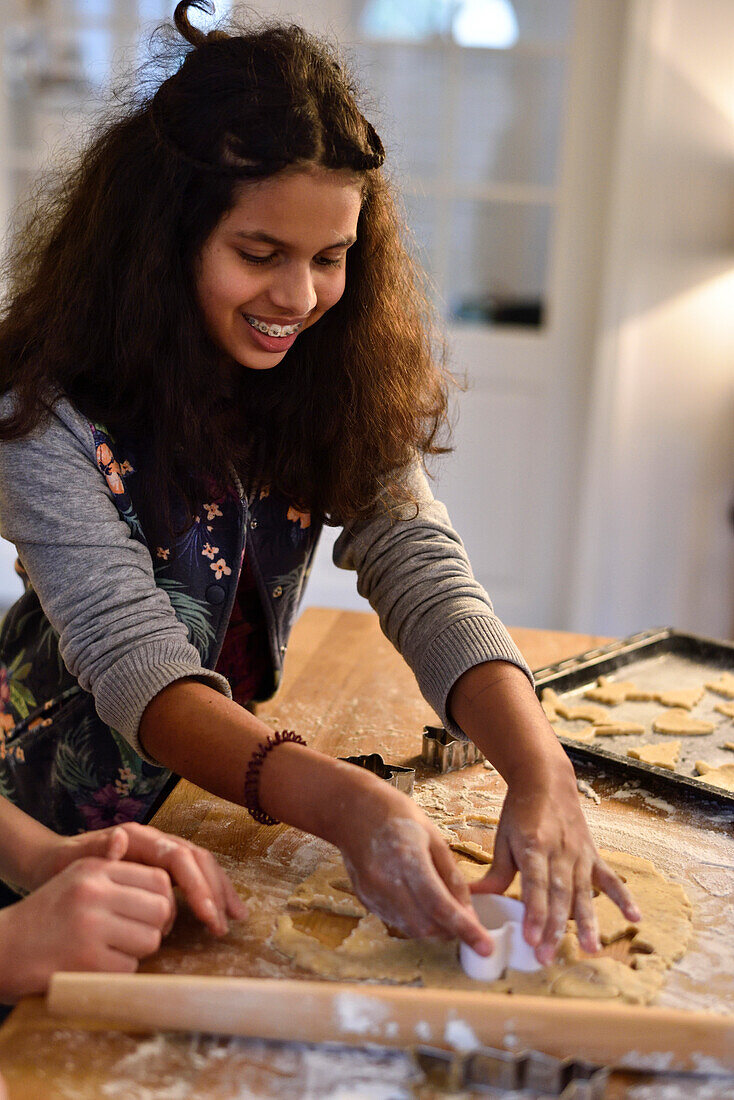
column 663, row 754
column 679, row 721
column 369, row 952
column 586, row 789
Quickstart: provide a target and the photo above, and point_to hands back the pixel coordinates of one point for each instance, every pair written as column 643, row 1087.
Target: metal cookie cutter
column 447, row 753
column 537, row 1075
column 502, row 917
column 396, row 776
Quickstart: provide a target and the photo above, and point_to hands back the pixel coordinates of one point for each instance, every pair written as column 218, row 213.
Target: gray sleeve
column 118, row 633
column 415, row 572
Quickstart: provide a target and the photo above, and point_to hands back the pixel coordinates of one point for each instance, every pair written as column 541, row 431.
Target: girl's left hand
column 542, row 834
column 206, row 887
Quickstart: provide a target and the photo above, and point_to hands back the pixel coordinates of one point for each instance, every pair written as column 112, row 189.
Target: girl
column 100, row 901
column 213, row 343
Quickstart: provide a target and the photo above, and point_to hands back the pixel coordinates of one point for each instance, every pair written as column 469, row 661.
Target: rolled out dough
column 328, row 888
column 679, row 721
column 664, row 754
column 369, row 952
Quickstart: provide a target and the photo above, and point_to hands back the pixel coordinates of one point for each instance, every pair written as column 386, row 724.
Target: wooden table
column 347, row 691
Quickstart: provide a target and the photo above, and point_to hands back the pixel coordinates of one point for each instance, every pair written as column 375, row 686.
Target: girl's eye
column 257, row 260
column 324, row 261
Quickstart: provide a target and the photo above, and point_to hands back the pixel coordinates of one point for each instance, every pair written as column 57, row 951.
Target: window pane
column 406, row 85
column 544, row 20
column 497, row 263
column 497, row 23
column 508, row 121
column 422, row 216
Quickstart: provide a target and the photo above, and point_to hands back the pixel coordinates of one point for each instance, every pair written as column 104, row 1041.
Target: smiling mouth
column 272, row 330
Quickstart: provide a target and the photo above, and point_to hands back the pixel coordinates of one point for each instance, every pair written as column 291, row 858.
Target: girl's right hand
column 403, row 870
column 94, row 915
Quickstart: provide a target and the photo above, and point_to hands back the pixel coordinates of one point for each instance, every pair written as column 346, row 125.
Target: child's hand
column 97, row 914
column 205, row 886
column 542, row 834
column 403, row 870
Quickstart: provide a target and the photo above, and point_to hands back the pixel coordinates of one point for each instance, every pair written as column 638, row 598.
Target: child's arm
column 542, row 831
column 25, row 846
column 399, row 863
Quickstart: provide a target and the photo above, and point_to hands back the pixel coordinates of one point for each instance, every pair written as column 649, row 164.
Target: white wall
column 656, row 545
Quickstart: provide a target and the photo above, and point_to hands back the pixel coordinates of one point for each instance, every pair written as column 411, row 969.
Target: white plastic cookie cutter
column 502, row 917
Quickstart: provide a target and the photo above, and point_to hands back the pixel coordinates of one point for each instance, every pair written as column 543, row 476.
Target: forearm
column 25, row 845
column 495, row 705
column 209, row 739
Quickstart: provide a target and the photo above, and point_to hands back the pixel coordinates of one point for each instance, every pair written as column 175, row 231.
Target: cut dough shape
column 584, row 735
column 682, row 697
column 725, row 708
column 549, row 702
column 369, row 952
column 584, row 712
column 723, row 686
column 728, row 745
column 618, row 729
column 679, row 721
column 663, row 755
column 613, row 692
column 721, row 776
column 666, row 926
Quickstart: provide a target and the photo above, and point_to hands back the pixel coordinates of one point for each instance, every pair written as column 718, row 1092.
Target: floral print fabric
column 58, row 760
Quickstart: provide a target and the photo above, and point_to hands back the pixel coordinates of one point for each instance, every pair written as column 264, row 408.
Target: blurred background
column 567, row 173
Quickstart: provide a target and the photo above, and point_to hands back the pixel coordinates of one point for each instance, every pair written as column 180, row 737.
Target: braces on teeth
column 272, row 330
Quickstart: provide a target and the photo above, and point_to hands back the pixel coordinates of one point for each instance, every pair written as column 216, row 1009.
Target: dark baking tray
column 650, row 659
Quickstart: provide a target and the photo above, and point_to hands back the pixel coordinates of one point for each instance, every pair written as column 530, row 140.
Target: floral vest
column 58, row 761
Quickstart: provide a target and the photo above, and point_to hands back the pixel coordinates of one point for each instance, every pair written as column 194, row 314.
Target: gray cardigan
column 118, row 632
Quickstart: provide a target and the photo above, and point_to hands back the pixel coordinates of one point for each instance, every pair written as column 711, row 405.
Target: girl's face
column 276, row 262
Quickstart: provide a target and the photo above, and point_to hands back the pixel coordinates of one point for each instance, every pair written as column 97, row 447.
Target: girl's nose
column 293, row 290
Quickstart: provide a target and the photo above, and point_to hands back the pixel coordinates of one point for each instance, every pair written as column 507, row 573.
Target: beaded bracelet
column 252, row 775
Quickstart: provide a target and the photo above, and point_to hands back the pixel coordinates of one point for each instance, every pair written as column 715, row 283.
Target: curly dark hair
column 101, row 304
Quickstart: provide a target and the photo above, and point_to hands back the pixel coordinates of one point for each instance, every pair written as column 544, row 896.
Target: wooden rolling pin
column 607, row 1033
